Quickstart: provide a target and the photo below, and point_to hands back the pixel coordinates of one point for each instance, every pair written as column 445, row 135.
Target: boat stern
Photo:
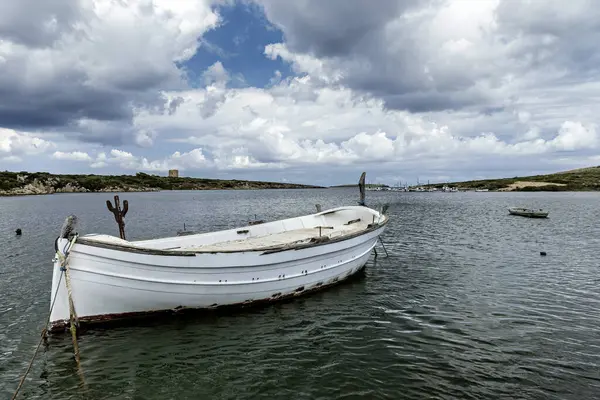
column 59, row 300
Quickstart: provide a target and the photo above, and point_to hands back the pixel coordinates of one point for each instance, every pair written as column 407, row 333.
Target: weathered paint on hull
column 110, row 284
column 111, row 320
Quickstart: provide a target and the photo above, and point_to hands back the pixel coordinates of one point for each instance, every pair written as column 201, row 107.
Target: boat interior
column 323, row 226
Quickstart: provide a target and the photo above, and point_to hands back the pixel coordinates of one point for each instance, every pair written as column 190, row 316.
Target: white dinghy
column 111, row 278
column 528, row 212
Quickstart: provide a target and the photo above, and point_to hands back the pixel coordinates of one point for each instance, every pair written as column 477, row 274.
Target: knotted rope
column 63, row 257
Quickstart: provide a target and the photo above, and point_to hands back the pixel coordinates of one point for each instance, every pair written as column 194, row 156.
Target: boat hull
column 528, row 213
column 111, row 284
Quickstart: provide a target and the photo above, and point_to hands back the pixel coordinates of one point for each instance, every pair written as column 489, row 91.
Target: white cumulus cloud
column 15, row 143
column 72, row 156
column 443, row 89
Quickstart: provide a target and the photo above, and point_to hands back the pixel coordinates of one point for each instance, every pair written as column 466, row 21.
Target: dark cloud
column 354, row 37
column 334, row 27
column 107, row 133
column 564, row 36
column 58, row 102
column 395, row 50
column 174, row 103
column 211, row 104
column 428, row 101
column 36, row 23
column 66, row 61
column 37, row 96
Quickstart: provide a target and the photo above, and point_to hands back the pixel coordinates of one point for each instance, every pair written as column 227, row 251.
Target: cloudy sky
column 307, row 91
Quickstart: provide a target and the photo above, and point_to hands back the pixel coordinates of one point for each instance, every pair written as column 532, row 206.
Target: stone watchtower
column 173, row 173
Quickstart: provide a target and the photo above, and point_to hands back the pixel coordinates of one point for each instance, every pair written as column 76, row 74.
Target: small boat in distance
column 528, row 212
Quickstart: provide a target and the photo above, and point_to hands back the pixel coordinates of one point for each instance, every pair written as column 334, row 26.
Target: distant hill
column 582, row 179
column 25, row 183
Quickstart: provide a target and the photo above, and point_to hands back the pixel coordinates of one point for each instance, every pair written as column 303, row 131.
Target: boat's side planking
column 109, row 282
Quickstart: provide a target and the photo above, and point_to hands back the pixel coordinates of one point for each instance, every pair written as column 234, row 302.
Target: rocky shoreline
column 52, row 186
column 38, row 189
column 25, row 184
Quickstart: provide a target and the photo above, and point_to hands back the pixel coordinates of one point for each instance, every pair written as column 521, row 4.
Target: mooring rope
column 63, row 257
column 43, row 337
column 383, row 245
column 73, row 319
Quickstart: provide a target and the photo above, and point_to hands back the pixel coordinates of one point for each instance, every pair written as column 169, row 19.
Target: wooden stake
column 119, row 214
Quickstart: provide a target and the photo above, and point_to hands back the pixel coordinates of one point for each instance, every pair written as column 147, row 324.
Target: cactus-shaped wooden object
column 119, row 214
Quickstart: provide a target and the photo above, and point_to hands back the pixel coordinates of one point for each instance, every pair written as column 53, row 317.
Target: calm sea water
column 464, row 307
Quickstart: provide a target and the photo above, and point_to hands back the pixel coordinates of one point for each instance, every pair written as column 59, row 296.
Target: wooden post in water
column 119, row 214
column 361, row 188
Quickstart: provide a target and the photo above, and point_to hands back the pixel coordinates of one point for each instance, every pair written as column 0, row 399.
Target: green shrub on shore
column 584, row 179
column 44, row 182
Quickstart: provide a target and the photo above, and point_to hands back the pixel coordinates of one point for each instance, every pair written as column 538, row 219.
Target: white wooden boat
column 111, row 278
column 528, row 212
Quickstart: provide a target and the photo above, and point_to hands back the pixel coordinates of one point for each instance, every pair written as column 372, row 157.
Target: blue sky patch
column 239, row 44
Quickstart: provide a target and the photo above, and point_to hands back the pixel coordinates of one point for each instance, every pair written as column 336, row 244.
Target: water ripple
column 464, row 307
